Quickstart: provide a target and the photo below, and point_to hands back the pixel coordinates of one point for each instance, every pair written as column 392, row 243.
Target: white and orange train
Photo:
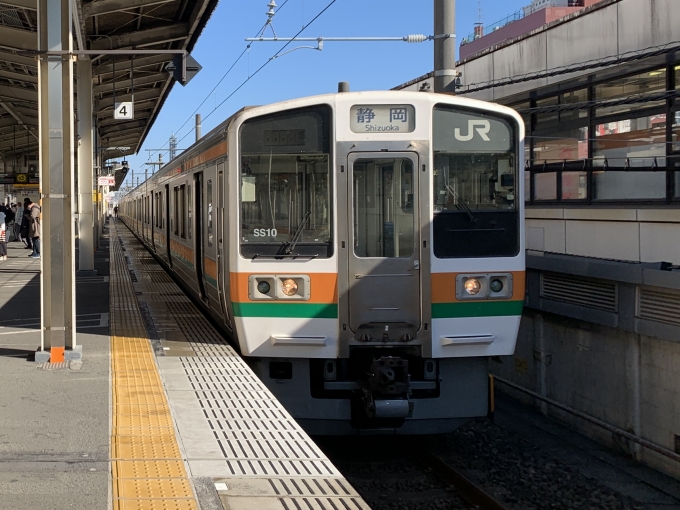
column 365, row 251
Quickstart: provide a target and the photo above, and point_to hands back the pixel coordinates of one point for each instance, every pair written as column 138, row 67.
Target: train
column 363, row 251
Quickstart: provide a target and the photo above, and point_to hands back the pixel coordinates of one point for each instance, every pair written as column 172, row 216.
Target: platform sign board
column 124, row 111
column 106, row 180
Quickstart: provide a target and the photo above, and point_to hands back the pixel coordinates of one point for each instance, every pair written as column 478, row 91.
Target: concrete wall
column 636, row 235
column 610, row 27
column 628, row 380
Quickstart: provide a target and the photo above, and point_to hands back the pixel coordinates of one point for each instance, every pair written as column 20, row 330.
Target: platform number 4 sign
column 123, row 111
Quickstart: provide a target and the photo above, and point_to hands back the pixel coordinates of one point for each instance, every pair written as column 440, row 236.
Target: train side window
column 189, row 209
column 182, row 211
column 175, row 212
column 210, row 213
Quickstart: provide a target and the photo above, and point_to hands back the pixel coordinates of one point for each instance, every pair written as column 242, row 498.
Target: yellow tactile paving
column 157, row 504
column 147, row 470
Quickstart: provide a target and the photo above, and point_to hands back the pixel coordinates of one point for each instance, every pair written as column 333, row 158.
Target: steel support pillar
column 444, row 46
column 55, row 92
column 85, row 170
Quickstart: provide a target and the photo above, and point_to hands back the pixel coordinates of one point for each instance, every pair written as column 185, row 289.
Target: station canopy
column 98, row 25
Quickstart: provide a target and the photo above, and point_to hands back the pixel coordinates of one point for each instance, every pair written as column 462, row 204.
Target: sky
column 303, row 72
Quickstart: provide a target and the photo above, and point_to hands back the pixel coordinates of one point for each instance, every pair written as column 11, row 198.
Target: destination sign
column 383, row 118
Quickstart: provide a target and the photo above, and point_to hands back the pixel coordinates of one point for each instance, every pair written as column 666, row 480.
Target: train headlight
column 496, row 286
column 263, row 287
column 289, row 287
column 472, row 286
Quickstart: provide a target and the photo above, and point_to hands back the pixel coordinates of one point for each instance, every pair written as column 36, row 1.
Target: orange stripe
column 444, row 286
column 213, row 153
column 183, row 251
column 323, row 287
column 210, row 267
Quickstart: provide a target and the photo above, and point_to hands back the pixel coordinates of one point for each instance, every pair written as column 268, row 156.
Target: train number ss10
column 265, row 232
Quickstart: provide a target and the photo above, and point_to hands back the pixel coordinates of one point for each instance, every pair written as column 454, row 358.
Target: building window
column 571, row 145
column 640, row 84
column 572, row 105
column 675, row 134
column 574, row 185
column 545, row 186
column 637, row 142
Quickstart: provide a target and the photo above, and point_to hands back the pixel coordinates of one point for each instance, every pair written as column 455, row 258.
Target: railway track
column 405, row 474
column 474, row 494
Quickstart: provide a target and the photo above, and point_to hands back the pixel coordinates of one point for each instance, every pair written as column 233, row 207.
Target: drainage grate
column 660, row 305
column 324, row 503
column 269, row 467
column 588, row 292
column 53, row 366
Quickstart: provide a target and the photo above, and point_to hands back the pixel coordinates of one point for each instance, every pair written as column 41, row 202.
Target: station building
column 599, row 90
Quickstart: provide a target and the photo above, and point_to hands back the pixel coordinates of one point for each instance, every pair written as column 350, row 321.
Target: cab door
column 384, row 266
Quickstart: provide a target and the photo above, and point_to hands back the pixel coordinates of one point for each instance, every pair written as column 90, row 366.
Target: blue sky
column 367, row 66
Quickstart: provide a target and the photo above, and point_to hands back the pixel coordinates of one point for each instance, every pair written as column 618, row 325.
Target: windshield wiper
column 461, row 205
column 297, row 233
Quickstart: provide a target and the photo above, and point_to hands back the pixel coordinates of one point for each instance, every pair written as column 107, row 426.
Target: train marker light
column 472, row 286
column 263, row 287
column 289, row 287
column 496, row 286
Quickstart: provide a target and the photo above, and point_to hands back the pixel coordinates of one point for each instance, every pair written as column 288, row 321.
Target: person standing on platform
column 9, row 223
column 3, row 235
column 34, row 229
column 24, row 228
column 18, row 214
column 115, row 213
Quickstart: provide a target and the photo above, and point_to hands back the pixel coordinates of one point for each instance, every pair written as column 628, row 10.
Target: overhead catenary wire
column 245, row 50
column 273, row 57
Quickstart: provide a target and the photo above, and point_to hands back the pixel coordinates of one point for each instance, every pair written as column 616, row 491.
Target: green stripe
column 184, row 261
column 477, row 309
column 301, row 310
column 210, row 280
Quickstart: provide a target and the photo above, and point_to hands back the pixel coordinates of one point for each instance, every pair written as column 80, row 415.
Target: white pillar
column 55, row 91
column 85, row 170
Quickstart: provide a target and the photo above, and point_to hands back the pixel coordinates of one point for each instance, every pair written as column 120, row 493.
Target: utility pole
column 198, row 127
column 445, row 46
column 159, row 163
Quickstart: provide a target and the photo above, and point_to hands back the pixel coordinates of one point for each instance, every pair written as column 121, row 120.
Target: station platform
column 160, row 414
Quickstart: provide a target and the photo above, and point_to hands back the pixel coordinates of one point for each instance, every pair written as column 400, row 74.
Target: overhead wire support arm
column 411, row 38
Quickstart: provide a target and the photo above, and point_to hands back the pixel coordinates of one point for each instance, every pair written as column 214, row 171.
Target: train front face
column 378, row 256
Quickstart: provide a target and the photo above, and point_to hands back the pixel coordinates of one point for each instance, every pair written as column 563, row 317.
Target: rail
column 471, row 492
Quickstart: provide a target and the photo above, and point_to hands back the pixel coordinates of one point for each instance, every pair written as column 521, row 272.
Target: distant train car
column 365, row 251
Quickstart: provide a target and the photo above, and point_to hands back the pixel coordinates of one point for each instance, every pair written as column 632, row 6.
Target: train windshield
column 285, row 194
column 475, row 184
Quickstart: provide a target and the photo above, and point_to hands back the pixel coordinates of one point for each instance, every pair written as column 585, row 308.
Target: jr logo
column 481, row 126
